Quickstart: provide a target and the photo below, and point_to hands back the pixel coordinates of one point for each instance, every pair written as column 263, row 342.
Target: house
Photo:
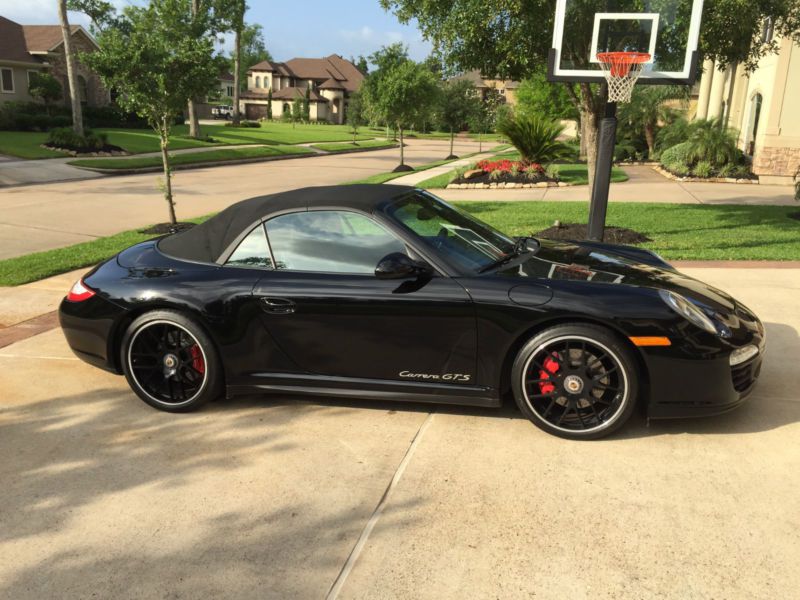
column 330, row 82
column 505, row 87
column 29, row 49
column 225, row 90
column 761, row 105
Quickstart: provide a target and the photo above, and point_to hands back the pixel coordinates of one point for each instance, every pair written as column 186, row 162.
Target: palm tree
column 712, row 141
column 535, row 137
column 72, row 76
column 647, row 109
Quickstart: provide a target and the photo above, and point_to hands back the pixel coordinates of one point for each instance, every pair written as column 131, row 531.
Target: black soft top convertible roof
column 206, row 242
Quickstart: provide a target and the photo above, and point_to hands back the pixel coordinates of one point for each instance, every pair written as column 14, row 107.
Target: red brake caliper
column 550, row 368
column 198, row 364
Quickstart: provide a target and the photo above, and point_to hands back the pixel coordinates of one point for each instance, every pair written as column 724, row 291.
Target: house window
column 768, row 31
column 755, row 116
column 7, row 80
column 230, row 90
column 32, row 75
column 258, row 81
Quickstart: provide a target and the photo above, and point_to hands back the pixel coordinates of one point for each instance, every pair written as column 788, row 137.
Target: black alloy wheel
column 170, row 362
column 578, row 382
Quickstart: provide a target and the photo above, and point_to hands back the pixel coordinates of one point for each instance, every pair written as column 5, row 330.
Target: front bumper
column 688, row 388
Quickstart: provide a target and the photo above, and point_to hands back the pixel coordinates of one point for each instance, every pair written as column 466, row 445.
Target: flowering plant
column 508, row 166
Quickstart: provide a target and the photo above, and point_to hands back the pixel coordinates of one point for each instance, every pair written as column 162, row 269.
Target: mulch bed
column 107, row 150
column 505, row 178
column 164, row 228
column 575, row 231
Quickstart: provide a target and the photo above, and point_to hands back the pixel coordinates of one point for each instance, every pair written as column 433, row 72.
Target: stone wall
column 96, row 93
column 773, row 161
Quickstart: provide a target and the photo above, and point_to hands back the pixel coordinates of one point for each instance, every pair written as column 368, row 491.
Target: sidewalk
column 415, row 178
column 645, row 185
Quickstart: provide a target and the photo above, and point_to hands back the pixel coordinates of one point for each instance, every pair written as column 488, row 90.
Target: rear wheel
column 170, row 362
column 576, row 381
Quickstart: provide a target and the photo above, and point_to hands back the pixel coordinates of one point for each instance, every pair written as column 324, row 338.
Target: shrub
column 243, row 124
column 496, row 174
column 703, row 169
column 552, row 172
column 711, row 140
column 112, row 116
column 535, row 138
column 65, row 137
column 672, row 134
column 676, row 158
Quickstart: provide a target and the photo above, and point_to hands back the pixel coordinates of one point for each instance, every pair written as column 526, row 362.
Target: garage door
column 255, row 111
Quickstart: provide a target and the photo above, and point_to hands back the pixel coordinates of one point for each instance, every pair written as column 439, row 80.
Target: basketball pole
column 606, row 140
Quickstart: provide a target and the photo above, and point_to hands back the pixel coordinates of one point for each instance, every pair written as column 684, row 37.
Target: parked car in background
column 222, row 112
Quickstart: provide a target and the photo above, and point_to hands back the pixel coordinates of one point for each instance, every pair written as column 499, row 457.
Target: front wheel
column 170, row 362
column 576, row 381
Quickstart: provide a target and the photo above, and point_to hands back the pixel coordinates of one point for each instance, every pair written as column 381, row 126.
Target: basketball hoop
column 621, row 70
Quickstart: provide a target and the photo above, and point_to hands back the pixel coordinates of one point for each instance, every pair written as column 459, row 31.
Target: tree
column 269, row 104
column 646, row 109
column 355, row 113
column 253, row 49
column 72, row 75
column 384, row 60
column 307, row 104
column 400, row 92
column 235, row 15
column 456, row 103
column 484, row 116
column 101, row 13
column 535, row 137
column 45, row 87
column 512, row 39
column 361, row 64
column 157, row 63
column 297, row 112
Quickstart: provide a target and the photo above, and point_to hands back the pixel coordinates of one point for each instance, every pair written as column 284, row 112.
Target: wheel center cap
column 573, row 384
column 170, row 361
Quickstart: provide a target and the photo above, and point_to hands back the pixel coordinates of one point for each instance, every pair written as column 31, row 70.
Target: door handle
column 277, row 306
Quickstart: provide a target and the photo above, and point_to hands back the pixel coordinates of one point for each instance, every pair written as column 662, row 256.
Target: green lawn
column 678, row 231
column 190, row 158
column 25, row 144
column 575, row 174
column 348, row 146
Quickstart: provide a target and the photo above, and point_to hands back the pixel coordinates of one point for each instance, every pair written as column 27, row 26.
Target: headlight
column 743, row 354
column 687, row 310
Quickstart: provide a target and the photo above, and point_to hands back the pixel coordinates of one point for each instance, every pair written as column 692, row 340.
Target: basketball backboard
column 667, row 30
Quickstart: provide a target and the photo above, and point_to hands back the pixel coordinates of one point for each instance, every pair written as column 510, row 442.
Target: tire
column 578, row 382
column 170, row 362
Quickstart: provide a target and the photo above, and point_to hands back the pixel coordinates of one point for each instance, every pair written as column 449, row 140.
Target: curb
column 221, row 163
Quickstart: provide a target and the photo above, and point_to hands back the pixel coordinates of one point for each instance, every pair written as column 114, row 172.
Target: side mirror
column 399, row 266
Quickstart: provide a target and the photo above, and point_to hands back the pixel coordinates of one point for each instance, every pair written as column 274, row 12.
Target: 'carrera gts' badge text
column 442, row 377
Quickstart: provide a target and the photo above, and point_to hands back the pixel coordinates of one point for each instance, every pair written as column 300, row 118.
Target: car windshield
column 469, row 243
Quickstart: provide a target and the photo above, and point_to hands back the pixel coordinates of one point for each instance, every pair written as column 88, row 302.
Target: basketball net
column 621, row 70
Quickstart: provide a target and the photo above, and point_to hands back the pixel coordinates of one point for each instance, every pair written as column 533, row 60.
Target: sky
column 304, row 28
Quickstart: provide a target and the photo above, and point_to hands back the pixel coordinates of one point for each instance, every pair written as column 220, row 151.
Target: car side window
column 252, row 251
column 329, row 241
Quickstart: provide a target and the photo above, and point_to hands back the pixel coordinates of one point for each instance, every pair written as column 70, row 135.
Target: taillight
column 79, row 292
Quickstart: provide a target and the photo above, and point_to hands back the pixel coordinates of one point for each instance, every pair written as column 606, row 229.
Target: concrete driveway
column 274, row 497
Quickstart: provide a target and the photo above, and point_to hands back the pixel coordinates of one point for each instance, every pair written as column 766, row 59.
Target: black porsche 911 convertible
column 387, row 292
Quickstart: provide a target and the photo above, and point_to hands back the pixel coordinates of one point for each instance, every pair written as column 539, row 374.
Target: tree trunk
column 72, row 76
column 650, row 137
column 164, row 137
column 237, row 58
column 592, row 108
column 451, row 143
column 194, row 122
column 582, row 129
column 402, row 153
column 480, row 140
